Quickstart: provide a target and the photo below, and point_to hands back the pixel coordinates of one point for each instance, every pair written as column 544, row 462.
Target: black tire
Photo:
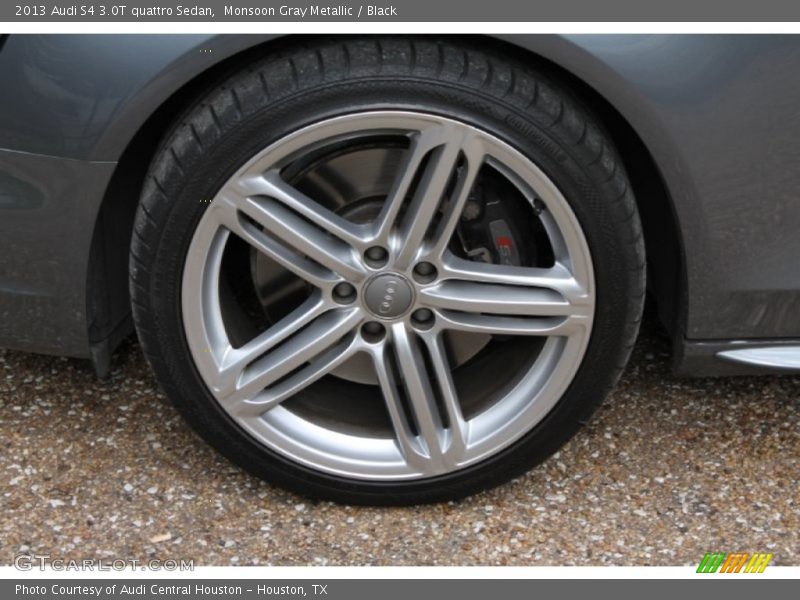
column 305, row 83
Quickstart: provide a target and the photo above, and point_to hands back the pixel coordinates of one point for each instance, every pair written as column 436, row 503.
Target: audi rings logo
column 388, row 295
column 390, row 292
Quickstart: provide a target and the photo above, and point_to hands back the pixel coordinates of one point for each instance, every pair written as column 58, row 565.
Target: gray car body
column 716, row 118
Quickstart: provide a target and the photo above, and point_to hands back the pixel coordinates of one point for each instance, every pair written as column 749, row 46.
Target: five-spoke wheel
column 390, row 287
column 387, row 270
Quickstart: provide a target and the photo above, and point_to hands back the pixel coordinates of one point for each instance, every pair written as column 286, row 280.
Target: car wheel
column 387, row 271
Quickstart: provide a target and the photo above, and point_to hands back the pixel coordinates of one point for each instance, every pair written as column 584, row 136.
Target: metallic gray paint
column 47, row 210
column 77, row 103
column 85, row 96
column 718, row 114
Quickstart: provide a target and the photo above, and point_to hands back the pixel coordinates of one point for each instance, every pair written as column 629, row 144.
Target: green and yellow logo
column 738, row 562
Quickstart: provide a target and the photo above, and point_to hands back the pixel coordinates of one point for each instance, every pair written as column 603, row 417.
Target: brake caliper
column 489, row 229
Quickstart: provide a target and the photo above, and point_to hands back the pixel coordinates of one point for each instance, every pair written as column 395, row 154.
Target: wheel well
column 108, row 301
column 666, row 272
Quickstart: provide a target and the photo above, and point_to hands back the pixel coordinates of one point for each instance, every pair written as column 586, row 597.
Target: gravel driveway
column 668, row 470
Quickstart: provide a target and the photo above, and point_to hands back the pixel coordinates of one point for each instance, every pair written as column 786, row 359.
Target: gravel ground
column 668, row 470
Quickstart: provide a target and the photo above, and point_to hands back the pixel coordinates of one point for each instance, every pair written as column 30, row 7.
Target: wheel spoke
column 557, row 278
column 290, row 361
column 457, row 426
column 296, row 231
column 447, row 226
column 436, row 156
column 430, row 441
column 318, row 367
column 272, row 185
column 492, row 298
column 234, row 360
column 500, row 325
column 306, row 269
column 507, row 300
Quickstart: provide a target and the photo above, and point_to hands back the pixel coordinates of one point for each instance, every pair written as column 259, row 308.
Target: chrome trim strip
column 774, row 357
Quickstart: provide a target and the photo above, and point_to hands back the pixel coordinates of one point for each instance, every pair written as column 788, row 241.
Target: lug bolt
column 344, row 293
column 424, row 272
column 372, row 332
column 376, row 256
column 422, row 318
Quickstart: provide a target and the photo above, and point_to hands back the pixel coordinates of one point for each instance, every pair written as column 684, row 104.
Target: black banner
column 439, row 11
column 396, row 589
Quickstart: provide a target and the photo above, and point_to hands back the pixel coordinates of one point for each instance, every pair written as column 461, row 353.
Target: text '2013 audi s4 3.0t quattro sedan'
column 399, row 269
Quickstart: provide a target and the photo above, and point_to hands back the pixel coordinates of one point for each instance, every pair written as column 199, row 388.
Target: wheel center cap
column 388, row 295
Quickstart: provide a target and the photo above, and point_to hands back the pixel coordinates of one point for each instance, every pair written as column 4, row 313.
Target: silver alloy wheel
column 412, row 306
